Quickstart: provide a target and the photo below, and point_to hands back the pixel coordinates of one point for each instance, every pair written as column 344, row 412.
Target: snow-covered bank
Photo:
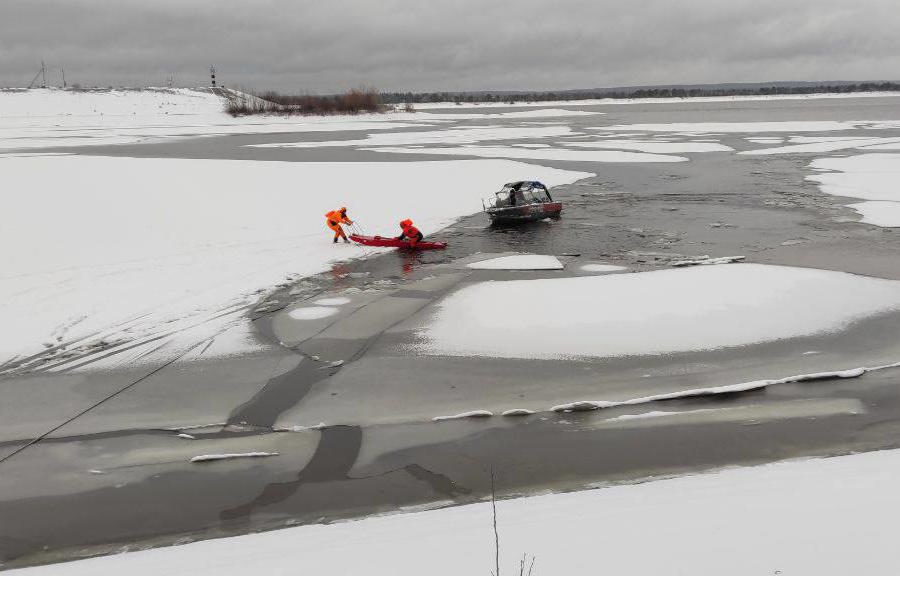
column 871, row 177
column 824, row 516
column 655, row 312
column 111, row 249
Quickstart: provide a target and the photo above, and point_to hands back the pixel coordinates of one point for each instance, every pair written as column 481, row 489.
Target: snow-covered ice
column 332, row 301
column 598, row 268
column 131, row 249
column 564, row 154
column 523, row 262
column 671, row 310
column 312, row 312
column 777, row 512
column 733, row 127
column 441, row 136
column 874, row 177
column 656, row 146
column 746, row 386
column 809, row 145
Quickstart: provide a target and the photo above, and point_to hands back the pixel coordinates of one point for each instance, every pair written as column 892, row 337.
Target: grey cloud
column 448, row 45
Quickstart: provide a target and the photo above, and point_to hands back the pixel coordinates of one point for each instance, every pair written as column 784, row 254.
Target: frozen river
column 335, row 362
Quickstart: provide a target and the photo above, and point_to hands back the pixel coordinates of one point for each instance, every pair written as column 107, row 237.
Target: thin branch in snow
column 496, row 533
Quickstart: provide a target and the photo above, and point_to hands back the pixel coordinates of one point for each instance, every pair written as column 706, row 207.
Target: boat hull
column 528, row 212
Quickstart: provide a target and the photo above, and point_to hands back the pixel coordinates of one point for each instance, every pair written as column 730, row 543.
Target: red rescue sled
column 389, row 242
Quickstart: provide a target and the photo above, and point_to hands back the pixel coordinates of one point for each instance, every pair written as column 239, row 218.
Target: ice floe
column 212, row 457
column 524, row 262
column 655, row 312
column 312, row 312
column 517, row 412
column 746, row 386
column 332, row 301
column 471, row 414
column 707, row 260
column 598, row 268
column 872, row 177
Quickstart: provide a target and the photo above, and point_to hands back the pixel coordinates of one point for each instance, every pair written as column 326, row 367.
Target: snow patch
column 524, row 262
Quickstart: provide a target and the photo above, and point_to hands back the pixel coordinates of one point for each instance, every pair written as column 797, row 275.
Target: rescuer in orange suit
column 334, row 219
column 410, row 232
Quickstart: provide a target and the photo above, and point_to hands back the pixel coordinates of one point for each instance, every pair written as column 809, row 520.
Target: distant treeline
column 352, row 102
column 650, row 92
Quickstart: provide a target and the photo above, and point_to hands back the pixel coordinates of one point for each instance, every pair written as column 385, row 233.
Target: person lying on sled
column 410, row 233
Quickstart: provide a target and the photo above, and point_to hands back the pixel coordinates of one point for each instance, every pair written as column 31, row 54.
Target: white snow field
column 654, row 312
column 872, row 177
column 110, row 249
column 46, row 118
column 531, row 262
column 824, row 516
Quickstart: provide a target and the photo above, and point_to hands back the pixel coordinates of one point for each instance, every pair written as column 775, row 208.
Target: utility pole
column 212, row 75
column 43, row 75
column 63, row 73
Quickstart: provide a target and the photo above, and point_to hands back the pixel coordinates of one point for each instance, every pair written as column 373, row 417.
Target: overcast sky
column 330, row 45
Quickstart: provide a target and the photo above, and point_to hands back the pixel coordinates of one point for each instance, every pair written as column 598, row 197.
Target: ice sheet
column 777, row 512
column 129, row 249
column 656, row 312
column 873, row 177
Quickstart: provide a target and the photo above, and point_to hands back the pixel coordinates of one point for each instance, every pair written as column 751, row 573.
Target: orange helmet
column 405, row 222
column 343, row 209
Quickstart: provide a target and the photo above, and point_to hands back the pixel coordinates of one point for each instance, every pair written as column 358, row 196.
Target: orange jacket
column 409, row 230
column 337, row 216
